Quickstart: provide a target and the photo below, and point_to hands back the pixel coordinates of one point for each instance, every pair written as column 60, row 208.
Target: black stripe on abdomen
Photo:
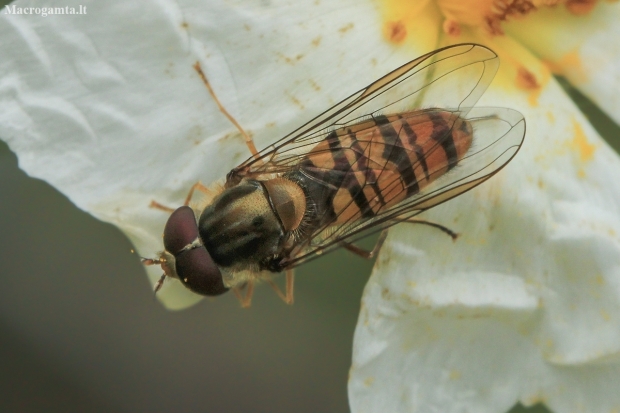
column 396, row 153
column 412, row 138
column 349, row 180
column 369, row 174
column 442, row 133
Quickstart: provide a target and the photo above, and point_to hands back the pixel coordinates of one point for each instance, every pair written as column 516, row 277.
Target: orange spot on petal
column 526, row 79
column 580, row 7
column 581, row 144
column 345, row 28
column 395, row 31
column 451, row 28
column 528, row 82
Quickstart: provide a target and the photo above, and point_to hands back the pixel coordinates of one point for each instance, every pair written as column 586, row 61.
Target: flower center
column 489, row 14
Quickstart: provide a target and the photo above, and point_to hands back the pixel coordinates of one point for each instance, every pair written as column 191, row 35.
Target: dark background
column 80, row 330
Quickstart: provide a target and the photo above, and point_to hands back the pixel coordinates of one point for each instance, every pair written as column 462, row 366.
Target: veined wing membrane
column 453, row 77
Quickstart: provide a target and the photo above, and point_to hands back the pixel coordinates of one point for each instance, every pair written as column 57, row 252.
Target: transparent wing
column 498, row 135
column 451, row 77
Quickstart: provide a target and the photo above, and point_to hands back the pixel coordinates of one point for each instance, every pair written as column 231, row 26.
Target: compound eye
column 199, row 273
column 180, row 230
column 194, row 267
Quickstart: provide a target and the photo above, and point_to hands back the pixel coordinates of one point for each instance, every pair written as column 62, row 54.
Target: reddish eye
column 198, row 272
column 194, row 267
column 181, row 229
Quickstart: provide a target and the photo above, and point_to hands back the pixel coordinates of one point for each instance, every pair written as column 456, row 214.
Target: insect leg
column 448, row 231
column 362, row 252
column 157, row 205
column 199, row 186
column 290, row 280
column 290, row 284
column 247, row 300
column 248, row 140
column 370, row 254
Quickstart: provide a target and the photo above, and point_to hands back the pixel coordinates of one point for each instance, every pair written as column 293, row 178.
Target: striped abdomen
column 360, row 170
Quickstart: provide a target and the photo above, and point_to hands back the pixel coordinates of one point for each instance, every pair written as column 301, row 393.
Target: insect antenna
column 155, row 261
column 160, row 283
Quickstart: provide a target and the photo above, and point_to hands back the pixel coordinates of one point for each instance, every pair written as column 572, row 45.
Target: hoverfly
column 375, row 159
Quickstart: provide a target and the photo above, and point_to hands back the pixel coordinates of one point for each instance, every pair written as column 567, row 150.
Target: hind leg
column 370, row 254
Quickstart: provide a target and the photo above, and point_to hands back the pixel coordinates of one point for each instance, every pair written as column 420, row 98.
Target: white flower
column 524, row 306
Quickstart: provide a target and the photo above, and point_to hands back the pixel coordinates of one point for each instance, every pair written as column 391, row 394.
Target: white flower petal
column 580, row 48
column 525, row 305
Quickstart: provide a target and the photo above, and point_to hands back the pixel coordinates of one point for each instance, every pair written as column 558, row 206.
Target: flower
column 522, row 307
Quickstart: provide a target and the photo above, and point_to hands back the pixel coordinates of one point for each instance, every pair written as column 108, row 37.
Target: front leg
column 197, row 186
column 290, row 280
column 245, row 300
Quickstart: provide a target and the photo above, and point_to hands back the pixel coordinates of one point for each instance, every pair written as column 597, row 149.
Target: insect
column 405, row 143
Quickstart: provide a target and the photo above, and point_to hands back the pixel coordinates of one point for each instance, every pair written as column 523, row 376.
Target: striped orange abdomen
column 375, row 164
